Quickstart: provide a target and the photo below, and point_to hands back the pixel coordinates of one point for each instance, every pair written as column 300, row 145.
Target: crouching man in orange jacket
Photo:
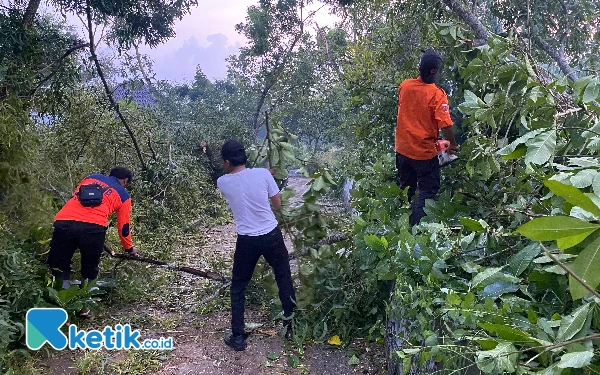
column 83, row 220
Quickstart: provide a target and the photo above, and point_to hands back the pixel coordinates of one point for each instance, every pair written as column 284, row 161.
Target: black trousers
column 421, row 175
column 66, row 238
column 248, row 249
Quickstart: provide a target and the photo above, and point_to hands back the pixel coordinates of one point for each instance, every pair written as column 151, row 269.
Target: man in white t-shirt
column 250, row 192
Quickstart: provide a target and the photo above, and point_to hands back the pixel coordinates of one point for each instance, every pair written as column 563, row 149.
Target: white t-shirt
column 247, row 193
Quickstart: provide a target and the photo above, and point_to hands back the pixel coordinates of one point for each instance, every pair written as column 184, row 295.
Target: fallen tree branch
column 215, row 294
column 329, row 240
column 206, row 274
column 571, row 273
column 561, row 344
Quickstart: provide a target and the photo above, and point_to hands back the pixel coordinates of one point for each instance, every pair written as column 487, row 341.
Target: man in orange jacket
column 422, row 112
column 83, row 220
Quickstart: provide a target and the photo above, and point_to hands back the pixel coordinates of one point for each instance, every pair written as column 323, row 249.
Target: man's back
column 422, row 112
column 248, row 192
column 114, row 197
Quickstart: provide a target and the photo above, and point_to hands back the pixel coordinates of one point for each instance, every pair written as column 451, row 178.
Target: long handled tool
column 193, row 271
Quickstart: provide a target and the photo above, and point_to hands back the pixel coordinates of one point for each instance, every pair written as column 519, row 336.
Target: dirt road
column 198, row 328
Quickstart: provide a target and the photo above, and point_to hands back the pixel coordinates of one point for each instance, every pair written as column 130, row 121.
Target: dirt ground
column 198, row 336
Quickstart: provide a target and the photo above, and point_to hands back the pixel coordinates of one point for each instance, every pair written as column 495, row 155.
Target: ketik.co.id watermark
column 43, row 325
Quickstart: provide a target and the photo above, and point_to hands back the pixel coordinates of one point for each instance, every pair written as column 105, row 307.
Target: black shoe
column 288, row 331
column 237, row 343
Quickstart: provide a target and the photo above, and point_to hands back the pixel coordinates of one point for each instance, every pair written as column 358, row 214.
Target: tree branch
column 206, row 274
column 88, row 11
column 557, row 55
column 571, row 273
column 55, row 65
column 561, row 344
column 279, row 69
column 329, row 240
column 481, row 32
column 151, row 87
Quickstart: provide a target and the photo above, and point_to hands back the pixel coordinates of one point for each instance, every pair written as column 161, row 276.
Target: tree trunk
column 30, row 12
column 396, row 329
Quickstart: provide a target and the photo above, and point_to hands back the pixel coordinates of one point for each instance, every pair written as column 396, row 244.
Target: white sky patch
column 205, row 38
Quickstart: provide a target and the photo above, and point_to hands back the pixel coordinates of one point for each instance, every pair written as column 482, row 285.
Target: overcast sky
column 206, row 37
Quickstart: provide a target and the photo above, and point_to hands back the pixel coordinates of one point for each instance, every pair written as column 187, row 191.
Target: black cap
column 234, row 152
column 430, row 64
column 121, row 173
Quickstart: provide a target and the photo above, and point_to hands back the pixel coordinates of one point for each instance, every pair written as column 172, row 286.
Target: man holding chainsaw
column 250, row 193
column 83, row 220
column 422, row 112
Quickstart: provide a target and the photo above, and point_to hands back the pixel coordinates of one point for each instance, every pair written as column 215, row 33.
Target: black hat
column 430, row 64
column 234, row 152
column 121, row 173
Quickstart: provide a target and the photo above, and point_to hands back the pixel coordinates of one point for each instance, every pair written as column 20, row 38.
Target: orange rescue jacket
column 115, row 199
column 422, row 111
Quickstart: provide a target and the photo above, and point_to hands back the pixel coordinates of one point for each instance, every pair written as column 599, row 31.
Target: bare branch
column 88, row 11
column 55, row 65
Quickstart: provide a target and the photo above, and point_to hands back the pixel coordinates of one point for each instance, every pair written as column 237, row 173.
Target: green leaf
column 374, row 241
column 541, row 148
column 572, row 324
column 536, row 96
column 487, row 274
column 293, row 361
column 519, row 151
column 576, row 360
column 353, row 361
column 273, row 356
column 318, row 184
column 596, row 184
column 529, row 68
column 521, row 260
column 586, row 267
column 573, row 195
column 521, row 140
column 498, row 288
column 472, row 225
column 501, row 359
column 551, row 228
column 569, row 242
column 591, row 92
column 507, row 333
column 492, row 275
column 584, row 178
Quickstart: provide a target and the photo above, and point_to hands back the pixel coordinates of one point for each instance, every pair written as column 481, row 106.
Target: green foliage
column 468, row 286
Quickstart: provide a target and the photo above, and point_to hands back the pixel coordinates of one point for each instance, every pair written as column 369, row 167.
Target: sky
column 205, row 37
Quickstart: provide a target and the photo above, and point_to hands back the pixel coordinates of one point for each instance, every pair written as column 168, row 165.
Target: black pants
column 423, row 175
column 248, row 250
column 66, row 238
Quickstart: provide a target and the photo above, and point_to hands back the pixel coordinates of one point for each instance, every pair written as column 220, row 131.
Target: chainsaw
column 442, row 145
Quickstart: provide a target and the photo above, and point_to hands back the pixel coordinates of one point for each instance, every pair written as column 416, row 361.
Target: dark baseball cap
column 232, row 149
column 430, row 64
column 430, row 60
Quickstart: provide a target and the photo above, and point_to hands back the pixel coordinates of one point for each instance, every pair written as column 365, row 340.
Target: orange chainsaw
column 442, row 145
